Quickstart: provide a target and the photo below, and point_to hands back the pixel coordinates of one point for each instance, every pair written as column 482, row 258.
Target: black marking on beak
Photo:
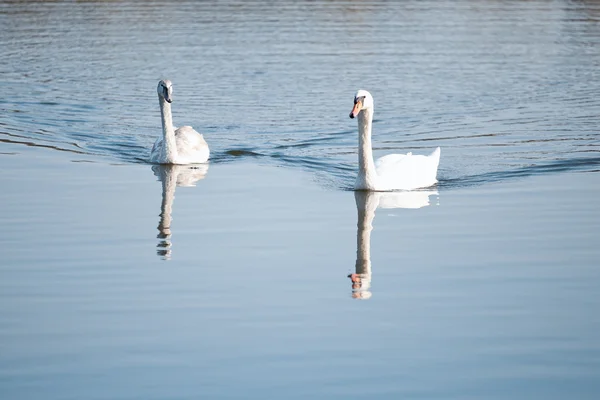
column 166, row 94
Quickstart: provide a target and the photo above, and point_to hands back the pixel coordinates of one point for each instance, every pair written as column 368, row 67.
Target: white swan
column 176, row 146
column 391, row 172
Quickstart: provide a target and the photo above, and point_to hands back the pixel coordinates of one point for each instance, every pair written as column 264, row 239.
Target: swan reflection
column 366, row 204
column 172, row 176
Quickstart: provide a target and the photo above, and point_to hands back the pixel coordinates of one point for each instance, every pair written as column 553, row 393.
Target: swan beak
column 356, row 109
column 167, row 94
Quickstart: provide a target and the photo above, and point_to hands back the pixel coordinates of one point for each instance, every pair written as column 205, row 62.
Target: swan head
column 165, row 90
column 362, row 101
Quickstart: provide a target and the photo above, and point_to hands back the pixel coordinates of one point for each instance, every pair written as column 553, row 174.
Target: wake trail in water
column 570, row 165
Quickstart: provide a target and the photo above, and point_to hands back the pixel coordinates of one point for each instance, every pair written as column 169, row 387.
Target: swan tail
column 436, row 156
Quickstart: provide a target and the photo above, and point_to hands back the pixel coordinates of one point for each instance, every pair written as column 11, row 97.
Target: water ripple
column 500, row 90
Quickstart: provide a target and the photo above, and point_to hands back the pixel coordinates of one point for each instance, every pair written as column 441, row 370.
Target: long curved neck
column 170, row 147
column 366, row 166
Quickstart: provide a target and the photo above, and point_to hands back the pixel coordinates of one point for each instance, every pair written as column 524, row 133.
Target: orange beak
column 356, row 109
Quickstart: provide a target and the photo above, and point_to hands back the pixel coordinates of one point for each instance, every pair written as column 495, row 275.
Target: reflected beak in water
column 356, row 109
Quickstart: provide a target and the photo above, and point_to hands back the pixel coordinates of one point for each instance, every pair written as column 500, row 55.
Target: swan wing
column 191, row 146
column 407, row 171
column 157, row 150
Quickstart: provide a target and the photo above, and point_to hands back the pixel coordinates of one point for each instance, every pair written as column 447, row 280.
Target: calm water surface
column 123, row 280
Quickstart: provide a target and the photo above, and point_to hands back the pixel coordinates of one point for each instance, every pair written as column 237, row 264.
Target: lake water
column 124, row 280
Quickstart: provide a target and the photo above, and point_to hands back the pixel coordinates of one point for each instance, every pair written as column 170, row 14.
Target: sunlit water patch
column 232, row 281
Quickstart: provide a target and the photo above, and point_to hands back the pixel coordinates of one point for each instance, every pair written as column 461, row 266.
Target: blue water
column 123, row 280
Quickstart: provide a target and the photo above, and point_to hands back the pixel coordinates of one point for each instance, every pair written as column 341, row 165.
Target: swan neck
column 170, row 147
column 366, row 165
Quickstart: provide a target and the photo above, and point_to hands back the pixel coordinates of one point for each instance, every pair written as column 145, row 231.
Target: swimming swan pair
column 392, row 172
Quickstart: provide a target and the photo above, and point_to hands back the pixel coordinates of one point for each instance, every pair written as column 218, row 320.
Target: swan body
column 394, row 171
column 177, row 145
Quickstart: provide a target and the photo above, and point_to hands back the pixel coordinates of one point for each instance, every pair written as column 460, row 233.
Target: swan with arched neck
column 176, row 145
column 391, row 172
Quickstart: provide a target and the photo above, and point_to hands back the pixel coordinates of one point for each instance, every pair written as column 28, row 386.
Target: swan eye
column 360, row 99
